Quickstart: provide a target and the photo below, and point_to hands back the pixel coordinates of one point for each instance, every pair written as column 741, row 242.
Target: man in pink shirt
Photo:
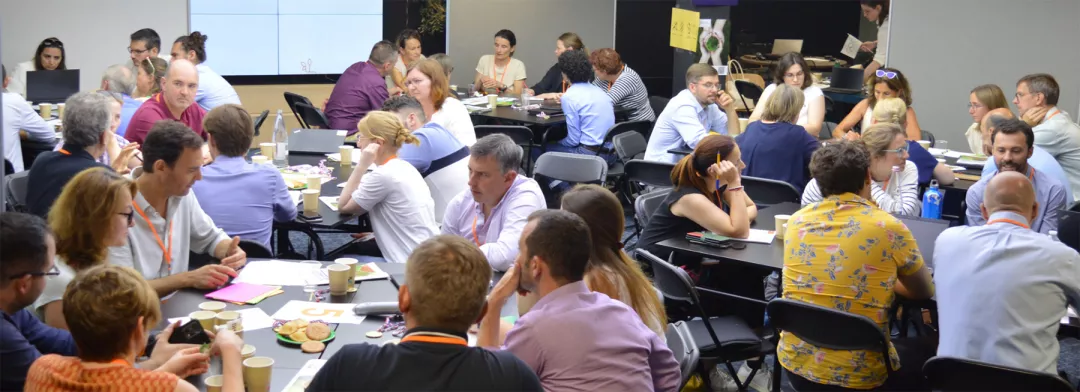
column 175, row 102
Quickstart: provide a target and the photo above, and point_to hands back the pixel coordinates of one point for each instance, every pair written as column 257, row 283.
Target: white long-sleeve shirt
column 1060, row 137
column 19, row 115
column 896, row 198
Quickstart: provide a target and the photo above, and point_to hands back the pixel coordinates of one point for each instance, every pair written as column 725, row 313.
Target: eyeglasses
column 975, row 106
column 900, row 151
column 411, row 82
column 130, row 217
column 137, row 51
column 52, row 43
column 54, row 271
column 881, row 73
column 708, row 86
column 795, row 75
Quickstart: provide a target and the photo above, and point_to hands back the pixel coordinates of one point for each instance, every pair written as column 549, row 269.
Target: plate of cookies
column 300, row 331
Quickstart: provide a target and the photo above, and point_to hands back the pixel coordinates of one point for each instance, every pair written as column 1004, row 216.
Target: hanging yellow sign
column 684, row 29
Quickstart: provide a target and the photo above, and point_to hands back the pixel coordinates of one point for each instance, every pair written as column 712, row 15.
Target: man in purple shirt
column 492, row 212
column 573, row 338
column 242, row 198
column 176, row 101
column 361, row 88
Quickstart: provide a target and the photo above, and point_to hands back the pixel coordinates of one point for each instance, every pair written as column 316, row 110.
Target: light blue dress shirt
column 1002, row 289
column 435, row 143
column 244, row 199
column 683, row 123
column 1041, row 161
column 213, row 90
column 1048, row 192
column 589, row 115
column 126, row 111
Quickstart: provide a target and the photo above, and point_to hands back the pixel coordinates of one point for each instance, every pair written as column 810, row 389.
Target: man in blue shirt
column 692, row 114
column 242, row 198
column 1040, row 159
column 589, row 112
column 119, row 79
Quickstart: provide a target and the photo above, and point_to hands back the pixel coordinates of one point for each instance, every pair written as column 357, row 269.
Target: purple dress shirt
column 499, row 233
column 244, row 199
column 579, row 340
column 359, row 90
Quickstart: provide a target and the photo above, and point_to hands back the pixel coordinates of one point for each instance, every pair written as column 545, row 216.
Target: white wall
column 946, row 48
column 95, row 34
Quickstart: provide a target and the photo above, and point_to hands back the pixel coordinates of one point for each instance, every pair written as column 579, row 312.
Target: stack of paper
column 303, row 378
column 330, row 201
column 244, row 293
column 282, row 273
column 370, row 271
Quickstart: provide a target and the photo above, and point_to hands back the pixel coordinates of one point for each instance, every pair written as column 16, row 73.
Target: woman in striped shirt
column 623, row 85
column 887, row 144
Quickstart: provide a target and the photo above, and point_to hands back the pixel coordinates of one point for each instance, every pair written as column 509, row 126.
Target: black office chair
column 682, row 345
column 644, row 207
column 313, row 118
column 571, row 168
column 651, row 173
column 8, row 167
column 829, row 103
column 521, row 135
column 826, row 131
column 658, row 103
column 927, row 135
column 948, row 374
column 1069, row 229
column 16, row 190
column 766, row 192
column 256, row 250
column 292, row 99
column 726, row 339
column 750, row 90
column 259, row 120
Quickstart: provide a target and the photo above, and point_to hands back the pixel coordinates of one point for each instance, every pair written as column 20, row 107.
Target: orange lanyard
column 1010, row 221
column 564, row 87
column 63, row 151
column 419, row 337
column 388, row 159
column 121, row 361
column 168, row 251
column 475, row 237
column 493, row 72
column 1056, row 112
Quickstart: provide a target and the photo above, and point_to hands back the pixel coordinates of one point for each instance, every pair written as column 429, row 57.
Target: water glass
column 942, row 144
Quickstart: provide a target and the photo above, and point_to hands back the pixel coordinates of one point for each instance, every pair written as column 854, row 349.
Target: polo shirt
column 589, row 115
column 400, row 206
column 778, row 151
column 1048, row 192
column 23, row 339
column 423, row 366
column 684, row 122
column 359, row 90
column 443, row 162
column 50, row 172
column 154, row 110
column 213, row 90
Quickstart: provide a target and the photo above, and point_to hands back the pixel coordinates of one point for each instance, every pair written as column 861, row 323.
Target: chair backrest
column 642, row 127
column 16, row 190
column 645, row 205
column 929, row 136
column 1069, row 228
column 749, row 89
column 576, row 168
column 826, row 131
column 313, row 118
column 959, row 374
column 292, row 99
column 829, row 103
column 256, row 250
column 681, row 342
column 766, row 192
column 629, row 145
column 658, row 103
column 650, row 173
column 521, row 135
column 828, row 328
column 259, row 120
column 676, row 285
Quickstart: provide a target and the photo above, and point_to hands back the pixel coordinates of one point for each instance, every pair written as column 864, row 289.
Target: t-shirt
column 423, row 366
column 923, row 160
column 154, row 110
column 54, row 287
column 401, row 208
column 455, row 118
column 778, row 151
column 809, row 94
column 512, row 72
column 443, row 162
column 56, row 373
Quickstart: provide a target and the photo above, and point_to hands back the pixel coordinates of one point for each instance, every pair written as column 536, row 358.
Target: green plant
column 433, row 17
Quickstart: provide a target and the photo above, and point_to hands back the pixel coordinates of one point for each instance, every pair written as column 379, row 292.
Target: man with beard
column 1013, row 143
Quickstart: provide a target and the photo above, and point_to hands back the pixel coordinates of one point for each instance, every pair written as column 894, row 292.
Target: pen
column 718, row 166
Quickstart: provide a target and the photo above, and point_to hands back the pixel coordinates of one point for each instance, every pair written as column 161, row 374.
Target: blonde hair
column 89, row 197
column 386, row 126
column 102, row 307
column 890, row 111
column 878, row 137
column 784, row 104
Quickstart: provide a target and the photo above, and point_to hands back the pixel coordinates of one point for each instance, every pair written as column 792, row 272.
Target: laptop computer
column 51, row 86
column 783, row 46
column 316, row 141
column 846, row 81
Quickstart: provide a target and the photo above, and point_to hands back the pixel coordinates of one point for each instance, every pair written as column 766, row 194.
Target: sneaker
column 721, row 381
column 762, row 381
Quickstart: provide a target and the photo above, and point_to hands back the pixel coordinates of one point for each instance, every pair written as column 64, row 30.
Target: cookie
column 318, row 331
column 374, row 334
column 300, row 323
column 299, row 336
column 312, row 347
column 287, row 329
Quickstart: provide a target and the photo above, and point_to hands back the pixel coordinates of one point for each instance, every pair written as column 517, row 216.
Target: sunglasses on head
column 53, row 43
column 885, row 74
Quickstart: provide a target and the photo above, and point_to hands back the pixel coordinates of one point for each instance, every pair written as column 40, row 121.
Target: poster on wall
column 683, row 33
column 712, row 40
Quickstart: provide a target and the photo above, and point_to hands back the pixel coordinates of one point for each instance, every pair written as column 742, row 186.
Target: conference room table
column 288, row 359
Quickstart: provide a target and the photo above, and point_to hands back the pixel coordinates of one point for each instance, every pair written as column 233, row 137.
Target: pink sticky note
column 240, row 292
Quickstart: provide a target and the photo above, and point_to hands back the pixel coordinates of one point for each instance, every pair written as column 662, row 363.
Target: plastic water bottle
column 931, row 201
column 1053, row 236
column 281, row 142
column 894, row 181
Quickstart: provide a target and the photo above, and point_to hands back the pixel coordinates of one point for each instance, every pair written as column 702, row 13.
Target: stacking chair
column 259, row 120
column 313, row 118
column 571, row 168
column 651, row 173
column 765, row 192
column 957, row 374
column 615, row 170
column 521, row 135
column 16, row 190
column 727, row 339
column 658, row 103
column 629, row 146
column 750, row 90
column 292, row 99
column 1069, row 229
column 684, row 348
column 644, row 206
column 927, row 135
column 256, row 250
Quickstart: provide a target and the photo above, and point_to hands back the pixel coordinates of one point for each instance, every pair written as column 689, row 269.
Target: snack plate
column 283, row 338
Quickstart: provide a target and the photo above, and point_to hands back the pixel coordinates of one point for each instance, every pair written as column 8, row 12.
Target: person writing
column 409, row 52
column 692, row 114
column 793, row 71
column 1040, row 159
column 501, row 72
column 49, row 56
column 361, row 88
column 493, row 211
column 876, row 11
column 213, row 90
column 982, row 101
column 175, row 102
column 428, row 83
column 885, row 83
column 553, row 85
column 1036, row 100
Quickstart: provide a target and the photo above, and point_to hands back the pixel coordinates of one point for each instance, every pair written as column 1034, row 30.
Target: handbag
column 736, row 72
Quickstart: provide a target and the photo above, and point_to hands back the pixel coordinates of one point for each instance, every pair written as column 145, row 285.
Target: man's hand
column 724, row 100
column 506, row 287
column 163, row 350
column 210, row 276
column 186, row 363
column 234, row 257
column 868, row 46
column 120, row 162
column 1035, row 115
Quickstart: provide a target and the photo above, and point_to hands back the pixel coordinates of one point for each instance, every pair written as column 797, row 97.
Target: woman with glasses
column 884, row 83
column 893, row 111
column 982, row 100
column 427, row 82
column 50, row 55
column 92, row 214
column 148, row 78
column 793, row 71
column 894, row 182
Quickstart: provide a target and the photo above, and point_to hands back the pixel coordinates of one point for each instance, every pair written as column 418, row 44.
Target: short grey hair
column 501, row 147
column 383, row 52
column 445, row 61
column 86, row 118
column 121, row 79
column 1044, row 84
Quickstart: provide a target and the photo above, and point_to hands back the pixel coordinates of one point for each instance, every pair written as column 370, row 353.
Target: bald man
column 1040, row 159
column 176, row 101
column 1002, row 288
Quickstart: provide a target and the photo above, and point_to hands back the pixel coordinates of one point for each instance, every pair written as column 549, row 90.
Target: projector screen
column 285, row 37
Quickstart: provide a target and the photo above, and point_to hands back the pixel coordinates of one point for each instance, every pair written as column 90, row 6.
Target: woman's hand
column 851, row 135
column 726, row 173
column 367, row 155
column 868, row 46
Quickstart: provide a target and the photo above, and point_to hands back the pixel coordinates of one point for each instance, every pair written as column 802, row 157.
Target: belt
column 592, row 148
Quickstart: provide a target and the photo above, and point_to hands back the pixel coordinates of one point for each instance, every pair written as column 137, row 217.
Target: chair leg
column 704, row 371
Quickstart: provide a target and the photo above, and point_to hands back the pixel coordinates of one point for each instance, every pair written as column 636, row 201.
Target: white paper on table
column 282, row 273
column 323, row 311
column 759, row 236
column 300, row 381
column 851, row 46
column 1070, row 313
column 957, row 168
column 936, row 151
column 295, row 196
column 251, row 318
column 343, row 133
column 336, row 157
column 477, row 101
column 330, row 201
column 377, row 273
column 958, row 154
column 969, row 161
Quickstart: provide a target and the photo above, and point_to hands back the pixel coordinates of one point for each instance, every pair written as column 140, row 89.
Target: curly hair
column 575, row 65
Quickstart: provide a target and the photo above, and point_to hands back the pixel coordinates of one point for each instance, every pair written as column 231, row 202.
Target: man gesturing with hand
column 169, row 221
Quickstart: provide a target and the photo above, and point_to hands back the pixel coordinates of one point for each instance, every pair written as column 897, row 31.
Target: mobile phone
column 190, row 333
column 314, row 217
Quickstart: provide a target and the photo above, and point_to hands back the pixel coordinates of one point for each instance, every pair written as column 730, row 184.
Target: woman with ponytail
column 894, row 111
column 708, row 195
column 213, row 90
column 393, row 193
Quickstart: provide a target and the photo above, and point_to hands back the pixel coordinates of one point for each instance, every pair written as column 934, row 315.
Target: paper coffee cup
column 257, row 373
column 311, row 199
column 205, row 318
column 213, row 306
column 247, row 351
column 453, row 87
column 214, row 383
column 267, row 150
column 781, row 220
column 60, row 110
column 314, row 181
column 924, row 143
column 493, row 100
column 260, row 159
column 352, row 263
column 45, row 109
column 227, row 316
column 346, row 155
column 339, row 278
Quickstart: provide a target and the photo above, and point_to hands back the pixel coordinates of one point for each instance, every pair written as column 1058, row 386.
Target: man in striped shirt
column 622, row 84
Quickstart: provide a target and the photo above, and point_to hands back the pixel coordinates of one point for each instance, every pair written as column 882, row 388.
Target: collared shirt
column 1048, row 192
column 779, row 151
column 898, row 197
column 359, row 90
column 185, row 228
column 497, row 234
column 561, row 339
column 443, row 162
column 23, row 338
column 1041, row 161
column 589, row 115
column 51, row 171
column 244, row 199
column 1002, row 290
column 1060, row 137
column 127, row 111
column 683, row 123
column 629, row 92
column 154, row 110
column 19, row 115
column 214, row 90
column 844, row 253
column 18, row 77
column 400, row 206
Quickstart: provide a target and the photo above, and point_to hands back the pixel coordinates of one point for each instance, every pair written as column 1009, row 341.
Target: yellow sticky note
column 684, row 29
